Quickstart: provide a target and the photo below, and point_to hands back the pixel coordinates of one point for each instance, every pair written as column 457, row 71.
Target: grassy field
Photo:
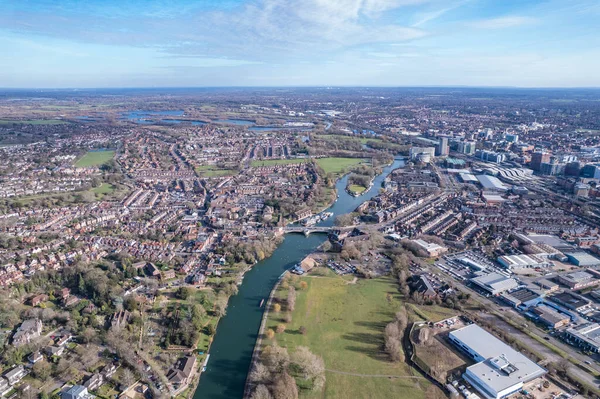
column 338, row 165
column 104, row 188
column 33, row 122
column 213, row 171
column 271, row 162
column 355, row 188
column 94, row 158
column 344, row 324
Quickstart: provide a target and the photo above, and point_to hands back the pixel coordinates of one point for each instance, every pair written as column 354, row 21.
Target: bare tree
column 285, row 387
column 260, row 373
column 127, row 378
column 291, row 299
column 261, row 392
column 311, row 366
column 275, row 358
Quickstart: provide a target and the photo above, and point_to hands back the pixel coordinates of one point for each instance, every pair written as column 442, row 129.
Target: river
column 231, row 350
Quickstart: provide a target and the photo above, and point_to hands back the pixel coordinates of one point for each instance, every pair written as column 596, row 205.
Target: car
column 588, row 362
column 547, row 338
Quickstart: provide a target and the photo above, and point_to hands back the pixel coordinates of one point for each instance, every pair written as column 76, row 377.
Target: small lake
column 238, row 122
column 144, row 117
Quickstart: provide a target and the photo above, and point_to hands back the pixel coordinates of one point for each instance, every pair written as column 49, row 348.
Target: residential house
column 15, row 375
column 183, row 371
column 38, row 299
column 29, row 330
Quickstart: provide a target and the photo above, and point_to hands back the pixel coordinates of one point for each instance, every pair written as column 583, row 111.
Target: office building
column 537, row 159
column 442, row 147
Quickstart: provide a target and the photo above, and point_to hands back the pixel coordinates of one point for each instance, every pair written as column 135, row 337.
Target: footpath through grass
column 344, row 324
column 94, row 158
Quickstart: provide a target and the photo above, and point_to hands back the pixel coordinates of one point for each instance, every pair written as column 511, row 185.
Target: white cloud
column 423, row 18
column 503, row 22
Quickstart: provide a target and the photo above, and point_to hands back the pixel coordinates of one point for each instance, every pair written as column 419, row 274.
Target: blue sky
column 162, row 43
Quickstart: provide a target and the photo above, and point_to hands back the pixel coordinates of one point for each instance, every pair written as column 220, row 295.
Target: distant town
column 300, row 243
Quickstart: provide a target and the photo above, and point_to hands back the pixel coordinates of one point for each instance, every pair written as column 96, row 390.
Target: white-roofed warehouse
column 491, row 183
column 501, row 370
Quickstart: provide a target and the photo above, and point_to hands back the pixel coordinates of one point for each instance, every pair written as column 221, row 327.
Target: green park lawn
column 104, row 188
column 355, row 188
column 94, row 158
column 338, row 165
column 213, row 171
column 271, row 162
column 344, row 324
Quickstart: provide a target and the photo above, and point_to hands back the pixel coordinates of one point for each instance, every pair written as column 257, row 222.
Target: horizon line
column 308, row 87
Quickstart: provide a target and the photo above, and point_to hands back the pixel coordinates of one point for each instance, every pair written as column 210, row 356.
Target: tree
column 309, row 365
column 183, row 293
column 284, row 387
column 277, row 308
column 303, row 285
column 261, row 392
column 127, row 378
column 42, row 370
column 275, row 358
column 280, row 328
column 302, row 330
column 392, row 336
column 291, row 299
column 260, row 373
column 88, row 335
column 270, row 333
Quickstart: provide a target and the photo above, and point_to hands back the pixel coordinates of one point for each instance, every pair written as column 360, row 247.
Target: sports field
column 95, row 158
column 338, row 165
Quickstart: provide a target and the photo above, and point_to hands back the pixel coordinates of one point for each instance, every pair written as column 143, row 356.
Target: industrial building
column 514, row 262
column 586, row 336
column 491, row 183
column 582, row 259
column 578, row 280
column 523, row 297
column 550, row 317
column 495, row 283
column 432, row 249
column 571, row 301
column 500, row 371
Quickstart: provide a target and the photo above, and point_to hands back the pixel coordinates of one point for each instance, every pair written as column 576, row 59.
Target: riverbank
column 256, row 351
column 232, row 347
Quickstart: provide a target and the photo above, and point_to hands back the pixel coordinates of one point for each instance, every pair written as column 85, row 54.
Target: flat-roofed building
column 431, row 248
column 571, row 301
column 495, row 283
column 550, row 317
column 582, row 259
column 501, row 370
column 547, row 286
column 578, row 280
column 515, row 262
column 523, row 297
column 491, row 183
column 586, row 336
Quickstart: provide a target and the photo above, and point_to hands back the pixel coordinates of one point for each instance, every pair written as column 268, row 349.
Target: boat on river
column 262, row 303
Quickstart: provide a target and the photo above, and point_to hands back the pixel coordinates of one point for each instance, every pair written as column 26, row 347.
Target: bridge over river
column 306, row 230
